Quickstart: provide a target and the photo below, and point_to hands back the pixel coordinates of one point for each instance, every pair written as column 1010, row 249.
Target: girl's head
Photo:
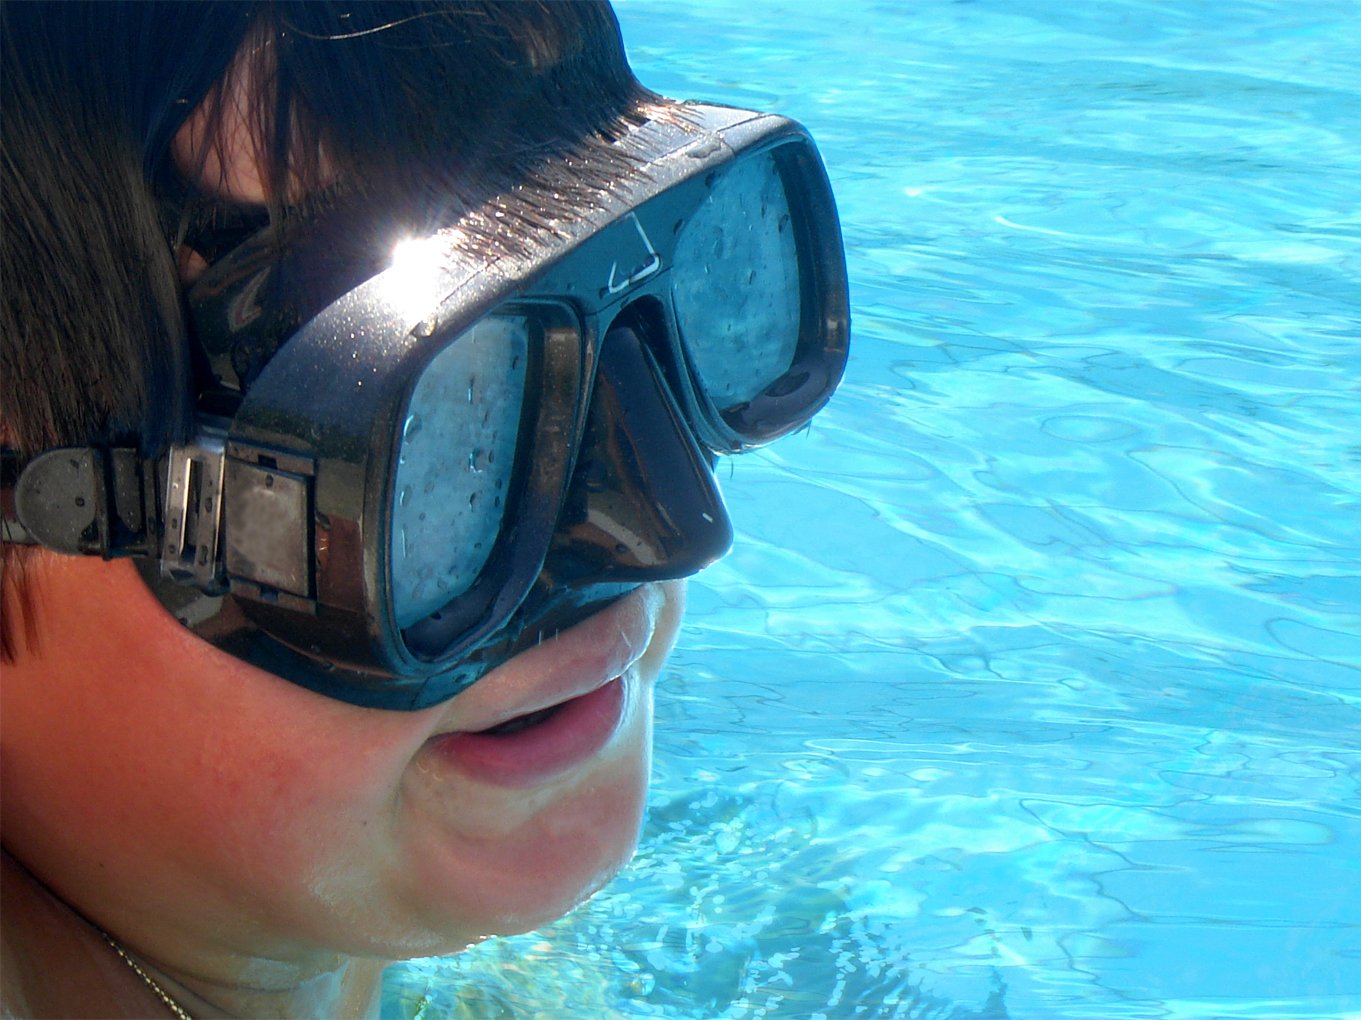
column 179, row 790
column 163, row 786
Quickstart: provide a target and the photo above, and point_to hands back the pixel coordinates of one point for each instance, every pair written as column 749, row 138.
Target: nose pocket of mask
column 643, row 504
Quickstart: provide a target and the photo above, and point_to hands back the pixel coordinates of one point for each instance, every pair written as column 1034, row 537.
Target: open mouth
column 523, row 722
column 539, row 745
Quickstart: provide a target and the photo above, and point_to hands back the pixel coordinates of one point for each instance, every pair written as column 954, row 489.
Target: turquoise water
column 1033, row 686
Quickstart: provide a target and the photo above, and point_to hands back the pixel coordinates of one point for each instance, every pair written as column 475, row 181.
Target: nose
column 643, row 504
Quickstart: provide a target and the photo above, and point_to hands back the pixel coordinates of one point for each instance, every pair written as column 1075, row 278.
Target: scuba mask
column 411, row 465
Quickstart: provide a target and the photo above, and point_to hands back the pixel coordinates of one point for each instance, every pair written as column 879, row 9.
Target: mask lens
column 736, row 285
column 454, row 465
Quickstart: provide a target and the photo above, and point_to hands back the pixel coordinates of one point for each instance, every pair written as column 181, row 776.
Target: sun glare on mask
column 416, row 280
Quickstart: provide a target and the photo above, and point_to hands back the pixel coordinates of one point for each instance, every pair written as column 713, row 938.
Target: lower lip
column 573, row 735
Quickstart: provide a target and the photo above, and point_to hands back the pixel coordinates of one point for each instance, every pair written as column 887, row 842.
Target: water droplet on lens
column 405, row 497
column 412, row 427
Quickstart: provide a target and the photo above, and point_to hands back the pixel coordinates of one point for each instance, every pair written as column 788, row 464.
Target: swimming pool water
column 1032, row 688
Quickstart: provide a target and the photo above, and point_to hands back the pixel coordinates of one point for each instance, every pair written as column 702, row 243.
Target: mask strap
column 81, row 500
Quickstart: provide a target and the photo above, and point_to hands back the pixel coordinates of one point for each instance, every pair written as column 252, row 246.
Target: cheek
column 190, row 775
column 281, row 809
column 287, row 787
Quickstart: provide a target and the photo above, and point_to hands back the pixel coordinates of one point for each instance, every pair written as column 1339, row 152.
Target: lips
column 555, row 707
column 535, row 749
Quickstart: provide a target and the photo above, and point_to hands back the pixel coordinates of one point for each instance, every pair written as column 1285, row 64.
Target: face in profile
column 378, row 682
column 213, row 787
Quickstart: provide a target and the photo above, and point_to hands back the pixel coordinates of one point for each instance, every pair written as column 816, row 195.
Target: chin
column 579, row 845
column 548, row 851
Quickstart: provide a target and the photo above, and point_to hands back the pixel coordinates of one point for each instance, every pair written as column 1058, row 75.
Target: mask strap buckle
column 193, row 513
column 84, row 501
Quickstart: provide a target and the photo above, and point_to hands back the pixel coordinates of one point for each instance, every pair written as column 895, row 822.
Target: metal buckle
column 190, row 547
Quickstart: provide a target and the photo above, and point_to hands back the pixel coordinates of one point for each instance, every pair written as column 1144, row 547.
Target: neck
column 43, row 936
column 349, row 989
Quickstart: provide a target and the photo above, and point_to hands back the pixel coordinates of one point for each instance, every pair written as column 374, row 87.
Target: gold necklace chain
column 152, row 983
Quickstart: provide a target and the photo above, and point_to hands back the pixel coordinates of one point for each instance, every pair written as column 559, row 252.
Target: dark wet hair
column 456, row 102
